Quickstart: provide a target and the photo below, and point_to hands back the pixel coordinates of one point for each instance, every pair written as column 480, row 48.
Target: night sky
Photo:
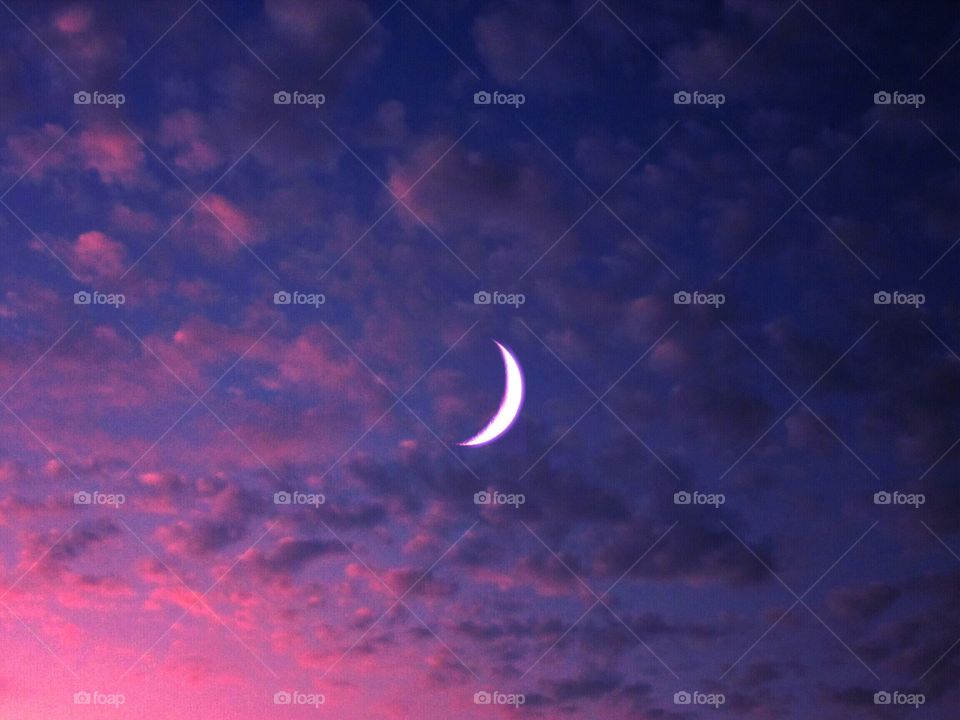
column 720, row 238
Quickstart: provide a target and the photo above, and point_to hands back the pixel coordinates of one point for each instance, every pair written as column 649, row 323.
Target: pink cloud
column 26, row 148
column 187, row 134
column 55, row 469
column 510, row 38
column 114, row 154
column 325, row 24
column 670, row 355
column 308, row 360
column 200, row 672
column 102, row 593
column 9, row 471
column 126, row 218
column 217, row 227
column 477, row 200
column 197, row 291
column 73, row 20
column 242, row 223
column 15, row 509
column 94, row 256
column 199, row 344
column 179, row 596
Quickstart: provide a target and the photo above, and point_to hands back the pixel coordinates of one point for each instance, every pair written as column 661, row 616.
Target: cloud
column 187, row 134
column 96, row 257
column 510, row 39
column 203, row 536
column 219, row 227
column 863, row 603
column 112, row 153
column 331, row 30
column 128, row 219
column 290, row 555
column 73, row 20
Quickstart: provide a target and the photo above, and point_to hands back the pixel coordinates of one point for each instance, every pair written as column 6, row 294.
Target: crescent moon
column 509, row 405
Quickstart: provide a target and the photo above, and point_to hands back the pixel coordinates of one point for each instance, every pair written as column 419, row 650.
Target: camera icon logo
column 282, row 498
column 482, row 498
column 682, row 298
column 882, row 498
column 82, row 698
column 482, row 298
column 882, row 698
column 882, row 98
column 282, row 97
column 82, row 498
column 882, row 298
column 282, row 697
column 282, row 297
column 82, row 97
column 82, row 298
column 682, row 97
column 682, row 698
column 482, row 97
column 682, row 498
column 482, row 697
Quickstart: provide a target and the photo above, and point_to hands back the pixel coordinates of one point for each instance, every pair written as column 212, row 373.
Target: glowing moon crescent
column 509, row 405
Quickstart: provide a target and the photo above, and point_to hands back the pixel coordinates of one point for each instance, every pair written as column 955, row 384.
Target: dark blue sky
column 788, row 385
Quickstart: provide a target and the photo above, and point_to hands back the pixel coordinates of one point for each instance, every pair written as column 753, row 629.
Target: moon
column 509, row 405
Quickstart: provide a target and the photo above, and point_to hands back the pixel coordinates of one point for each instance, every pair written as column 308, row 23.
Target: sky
column 247, row 252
